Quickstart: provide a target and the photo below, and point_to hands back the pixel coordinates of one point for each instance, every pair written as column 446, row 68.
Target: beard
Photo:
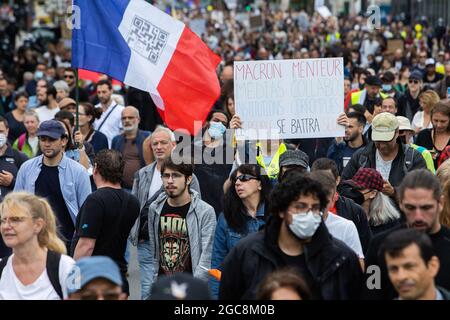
column 176, row 192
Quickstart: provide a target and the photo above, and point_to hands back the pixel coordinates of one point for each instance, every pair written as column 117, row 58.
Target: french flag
column 138, row 44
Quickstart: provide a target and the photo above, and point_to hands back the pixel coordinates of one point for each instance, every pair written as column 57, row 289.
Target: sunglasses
column 69, row 77
column 245, row 178
column 414, row 81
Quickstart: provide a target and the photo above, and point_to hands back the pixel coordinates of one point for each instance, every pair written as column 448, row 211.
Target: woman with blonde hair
column 443, row 174
column 38, row 266
column 422, row 119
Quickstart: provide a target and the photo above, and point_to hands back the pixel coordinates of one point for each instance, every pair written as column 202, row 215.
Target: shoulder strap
column 53, row 259
column 3, row 265
column 409, row 157
column 22, row 139
column 106, row 118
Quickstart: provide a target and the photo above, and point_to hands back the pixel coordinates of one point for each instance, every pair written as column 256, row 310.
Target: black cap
column 416, row 75
column 294, row 158
column 373, row 81
column 51, row 128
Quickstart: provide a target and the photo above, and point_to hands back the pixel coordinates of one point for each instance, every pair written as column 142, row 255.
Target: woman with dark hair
column 284, row 284
column 87, row 115
column 437, row 138
column 244, row 213
column 16, row 117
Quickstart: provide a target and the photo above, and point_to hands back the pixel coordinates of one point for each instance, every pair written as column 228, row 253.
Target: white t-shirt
column 382, row 166
column 12, row 289
column 417, row 121
column 113, row 124
column 34, row 144
column 156, row 183
column 344, row 230
column 45, row 113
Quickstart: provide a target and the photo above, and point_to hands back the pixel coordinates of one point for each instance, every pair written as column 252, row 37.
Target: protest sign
column 256, row 21
column 394, row 44
column 288, row 99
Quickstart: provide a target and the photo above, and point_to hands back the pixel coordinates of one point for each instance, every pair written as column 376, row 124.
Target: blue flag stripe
column 98, row 45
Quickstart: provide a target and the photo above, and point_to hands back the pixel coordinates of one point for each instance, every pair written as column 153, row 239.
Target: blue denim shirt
column 73, row 178
column 226, row 238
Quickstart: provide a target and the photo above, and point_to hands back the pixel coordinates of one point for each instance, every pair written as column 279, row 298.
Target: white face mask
column 3, row 139
column 304, row 225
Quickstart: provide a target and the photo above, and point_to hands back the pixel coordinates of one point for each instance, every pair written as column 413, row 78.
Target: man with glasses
column 147, row 186
column 181, row 226
column 95, row 278
column 69, row 78
column 130, row 144
column 421, row 202
column 295, row 236
column 408, row 104
column 63, row 182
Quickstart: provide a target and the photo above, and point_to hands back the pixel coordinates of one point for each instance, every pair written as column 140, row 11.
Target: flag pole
column 77, row 100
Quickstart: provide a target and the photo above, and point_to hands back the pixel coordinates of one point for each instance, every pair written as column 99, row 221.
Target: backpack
column 407, row 164
column 21, row 141
column 52, row 267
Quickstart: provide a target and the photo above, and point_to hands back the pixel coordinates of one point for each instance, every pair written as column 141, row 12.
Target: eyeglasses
column 245, row 178
column 13, row 221
column 414, row 81
column 104, row 295
column 174, row 176
column 304, row 208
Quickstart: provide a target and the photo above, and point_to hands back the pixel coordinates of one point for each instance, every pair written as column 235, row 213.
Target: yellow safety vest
column 356, row 96
column 274, row 167
column 336, row 34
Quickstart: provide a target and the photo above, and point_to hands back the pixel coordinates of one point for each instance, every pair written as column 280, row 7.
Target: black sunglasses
column 414, row 81
column 245, row 178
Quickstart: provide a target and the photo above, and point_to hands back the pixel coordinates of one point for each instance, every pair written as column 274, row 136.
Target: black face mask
column 358, row 197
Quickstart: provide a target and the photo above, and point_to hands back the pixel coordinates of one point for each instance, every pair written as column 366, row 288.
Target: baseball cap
column 430, row 62
column 373, row 81
column 416, row 75
column 367, row 178
column 294, row 157
column 64, row 103
column 90, row 268
column 384, row 126
column 404, row 124
column 181, row 286
column 52, row 129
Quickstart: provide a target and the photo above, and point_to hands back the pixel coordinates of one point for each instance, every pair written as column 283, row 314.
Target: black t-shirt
column 212, row 176
column 107, row 215
column 425, row 139
column 16, row 128
column 174, row 246
column 47, row 185
column 299, row 263
column 441, row 245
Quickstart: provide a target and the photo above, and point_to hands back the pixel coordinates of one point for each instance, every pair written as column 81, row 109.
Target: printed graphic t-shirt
column 174, row 247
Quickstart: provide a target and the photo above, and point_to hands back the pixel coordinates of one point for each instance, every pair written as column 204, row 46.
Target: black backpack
column 52, row 267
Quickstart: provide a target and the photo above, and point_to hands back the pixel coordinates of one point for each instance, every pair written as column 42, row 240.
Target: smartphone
column 448, row 93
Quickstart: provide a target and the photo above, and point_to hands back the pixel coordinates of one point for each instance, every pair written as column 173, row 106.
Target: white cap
column 430, row 61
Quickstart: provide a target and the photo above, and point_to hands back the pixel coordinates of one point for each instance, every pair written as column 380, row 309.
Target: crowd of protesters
column 82, row 182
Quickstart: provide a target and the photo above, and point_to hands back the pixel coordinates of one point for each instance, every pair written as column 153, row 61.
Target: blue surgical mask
column 216, row 129
column 38, row 75
column 386, row 87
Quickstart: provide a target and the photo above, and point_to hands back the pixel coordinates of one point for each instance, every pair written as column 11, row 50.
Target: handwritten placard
column 287, row 99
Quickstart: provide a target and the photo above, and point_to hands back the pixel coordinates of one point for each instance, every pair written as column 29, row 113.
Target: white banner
column 289, row 99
